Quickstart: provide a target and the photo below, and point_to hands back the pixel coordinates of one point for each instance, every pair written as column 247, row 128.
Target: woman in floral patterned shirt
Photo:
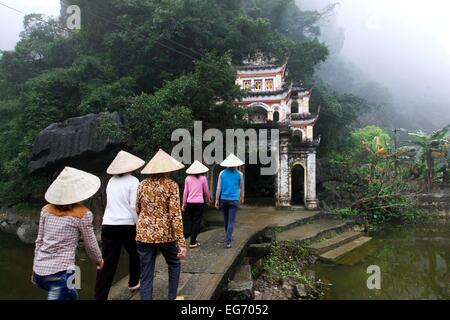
column 160, row 225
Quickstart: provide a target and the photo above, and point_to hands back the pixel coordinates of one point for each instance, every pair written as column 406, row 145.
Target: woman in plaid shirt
column 61, row 224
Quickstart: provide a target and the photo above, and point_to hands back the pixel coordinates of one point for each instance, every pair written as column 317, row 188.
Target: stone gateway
column 274, row 101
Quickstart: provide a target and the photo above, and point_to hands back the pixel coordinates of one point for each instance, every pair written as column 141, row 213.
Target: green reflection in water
column 16, row 260
column 414, row 262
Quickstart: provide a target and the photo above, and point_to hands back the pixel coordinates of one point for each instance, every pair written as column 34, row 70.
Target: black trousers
column 113, row 239
column 195, row 212
column 147, row 252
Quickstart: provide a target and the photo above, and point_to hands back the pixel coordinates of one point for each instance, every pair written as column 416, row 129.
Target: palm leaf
column 441, row 134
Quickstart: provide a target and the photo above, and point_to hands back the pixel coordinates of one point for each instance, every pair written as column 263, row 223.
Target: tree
column 338, row 115
column 365, row 179
column 430, row 147
column 159, row 63
column 152, row 118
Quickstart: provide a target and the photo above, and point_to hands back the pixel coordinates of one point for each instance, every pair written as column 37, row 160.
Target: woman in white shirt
column 119, row 223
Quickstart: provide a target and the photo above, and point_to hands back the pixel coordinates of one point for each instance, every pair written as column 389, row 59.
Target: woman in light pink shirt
column 195, row 196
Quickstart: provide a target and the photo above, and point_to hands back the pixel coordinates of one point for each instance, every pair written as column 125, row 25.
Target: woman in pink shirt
column 195, row 196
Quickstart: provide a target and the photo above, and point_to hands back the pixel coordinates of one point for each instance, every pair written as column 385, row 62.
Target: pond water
column 16, row 260
column 414, row 262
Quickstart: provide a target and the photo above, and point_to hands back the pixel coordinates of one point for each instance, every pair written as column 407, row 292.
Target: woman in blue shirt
column 230, row 194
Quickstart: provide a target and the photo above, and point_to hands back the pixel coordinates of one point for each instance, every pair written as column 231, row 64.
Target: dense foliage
column 159, row 63
column 431, row 155
column 287, row 265
column 366, row 179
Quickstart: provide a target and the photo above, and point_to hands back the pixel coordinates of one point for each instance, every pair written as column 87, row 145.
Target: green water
column 16, row 260
column 414, row 262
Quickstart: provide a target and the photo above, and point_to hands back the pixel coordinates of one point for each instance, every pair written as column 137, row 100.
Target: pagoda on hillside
column 275, row 100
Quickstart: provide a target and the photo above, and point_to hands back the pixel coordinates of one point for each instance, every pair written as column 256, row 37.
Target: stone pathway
column 208, row 268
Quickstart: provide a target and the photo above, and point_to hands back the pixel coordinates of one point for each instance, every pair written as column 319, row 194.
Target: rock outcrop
column 27, row 232
column 23, row 224
column 76, row 141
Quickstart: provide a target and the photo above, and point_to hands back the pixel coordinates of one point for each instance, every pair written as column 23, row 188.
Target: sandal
column 135, row 288
column 197, row 244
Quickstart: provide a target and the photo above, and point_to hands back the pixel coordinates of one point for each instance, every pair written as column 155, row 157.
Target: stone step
column 243, row 273
column 258, row 250
column 313, row 229
column 356, row 256
column 333, row 243
column 241, row 287
column 335, row 254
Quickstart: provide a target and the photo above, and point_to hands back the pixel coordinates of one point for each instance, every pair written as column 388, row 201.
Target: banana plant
column 444, row 163
column 431, row 147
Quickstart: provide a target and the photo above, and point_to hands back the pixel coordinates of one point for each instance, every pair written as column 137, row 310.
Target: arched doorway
column 258, row 114
column 259, row 189
column 298, row 185
column 276, row 116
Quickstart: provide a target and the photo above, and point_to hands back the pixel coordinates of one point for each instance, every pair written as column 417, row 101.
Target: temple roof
column 303, row 116
column 303, row 123
column 303, row 120
column 258, row 67
column 260, row 62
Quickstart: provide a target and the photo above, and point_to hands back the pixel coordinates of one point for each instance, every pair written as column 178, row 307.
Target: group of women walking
column 142, row 217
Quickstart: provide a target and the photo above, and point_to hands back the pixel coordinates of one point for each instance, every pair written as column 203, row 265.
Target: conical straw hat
column 197, row 168
column 124, row 162
column 232, row 161
column 162, row 163
column 72, row 186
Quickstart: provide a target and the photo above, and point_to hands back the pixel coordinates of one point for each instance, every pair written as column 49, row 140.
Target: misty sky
column 11, row 22
column 401, row 41
column 403, row 44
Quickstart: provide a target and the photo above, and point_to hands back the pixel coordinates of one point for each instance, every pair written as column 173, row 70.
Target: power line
column 109, row 21
column 103, row 18
column 36, row 17
column 14, row 9
column 104, row 8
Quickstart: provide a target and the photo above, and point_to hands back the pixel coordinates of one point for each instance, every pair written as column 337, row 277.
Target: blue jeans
column 229, row 209
column 147, row 253
column 56, row 285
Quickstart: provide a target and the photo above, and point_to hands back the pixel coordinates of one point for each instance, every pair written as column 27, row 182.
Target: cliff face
column 75, row 141
column 79, row 143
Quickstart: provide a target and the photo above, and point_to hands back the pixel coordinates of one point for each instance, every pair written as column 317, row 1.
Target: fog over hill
column 396, row 52
column 11, row 22
column 401, row 45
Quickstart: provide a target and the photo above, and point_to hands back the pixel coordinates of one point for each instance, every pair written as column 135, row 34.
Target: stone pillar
column 283, row 196
column 311, row 196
